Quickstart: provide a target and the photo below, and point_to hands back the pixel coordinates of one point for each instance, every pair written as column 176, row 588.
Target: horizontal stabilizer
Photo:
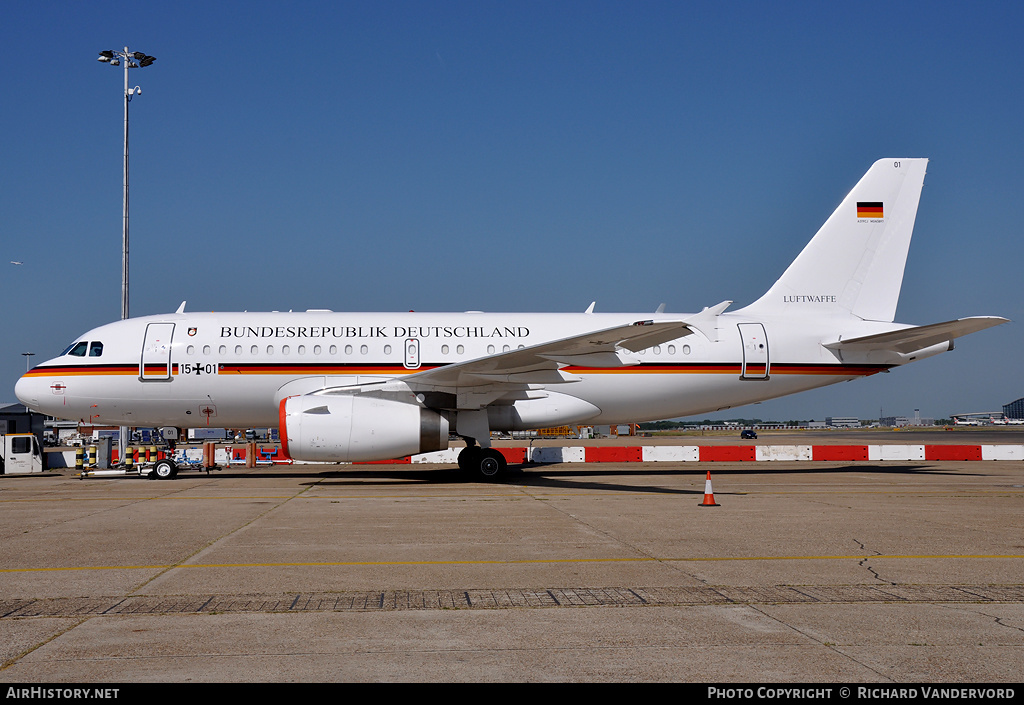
column 908, row 340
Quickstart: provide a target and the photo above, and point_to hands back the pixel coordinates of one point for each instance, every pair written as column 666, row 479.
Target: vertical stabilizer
column 854, row 264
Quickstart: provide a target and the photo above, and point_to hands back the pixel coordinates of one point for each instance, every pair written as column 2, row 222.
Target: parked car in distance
column 748, row 434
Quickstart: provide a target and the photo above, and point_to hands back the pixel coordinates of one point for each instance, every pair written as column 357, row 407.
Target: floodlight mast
column 131, row 60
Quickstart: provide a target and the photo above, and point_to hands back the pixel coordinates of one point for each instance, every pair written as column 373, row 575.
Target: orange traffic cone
column 709, row 495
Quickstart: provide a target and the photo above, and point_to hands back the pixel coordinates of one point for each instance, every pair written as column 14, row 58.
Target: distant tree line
column 674, row 425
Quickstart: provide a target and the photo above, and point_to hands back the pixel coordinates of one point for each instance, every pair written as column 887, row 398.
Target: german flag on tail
column 869, row 209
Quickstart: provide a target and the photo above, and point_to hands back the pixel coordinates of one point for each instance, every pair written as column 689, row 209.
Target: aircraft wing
column 908, row 340
column 539, row 364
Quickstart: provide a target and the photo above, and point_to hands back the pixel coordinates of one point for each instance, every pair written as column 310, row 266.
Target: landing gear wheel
column 163, row 470
column 491, row 465
column 469, row 457
column 486, row 464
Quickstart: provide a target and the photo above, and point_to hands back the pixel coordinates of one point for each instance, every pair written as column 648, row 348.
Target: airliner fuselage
column 225, row 370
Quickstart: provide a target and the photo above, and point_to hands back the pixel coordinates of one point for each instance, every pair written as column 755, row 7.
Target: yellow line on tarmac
column 316, row 497
column 836, row 558
column 537, row 561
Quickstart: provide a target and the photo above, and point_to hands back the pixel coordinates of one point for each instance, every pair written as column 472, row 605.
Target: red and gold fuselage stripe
column 709, row 368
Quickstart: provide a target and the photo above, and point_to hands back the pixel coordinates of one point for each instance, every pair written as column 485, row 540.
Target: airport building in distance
column 1014, row 410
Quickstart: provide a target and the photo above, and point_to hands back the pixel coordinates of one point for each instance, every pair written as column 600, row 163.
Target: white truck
column 20, row 454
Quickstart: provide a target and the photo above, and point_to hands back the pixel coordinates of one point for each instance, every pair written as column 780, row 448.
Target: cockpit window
column 78, row 349
column 95, row 349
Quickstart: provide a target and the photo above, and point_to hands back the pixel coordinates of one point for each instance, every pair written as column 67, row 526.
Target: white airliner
column 371, row 386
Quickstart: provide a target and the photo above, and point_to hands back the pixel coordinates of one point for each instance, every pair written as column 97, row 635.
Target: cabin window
column 348, row 349
column 285, row 349
column 316, row 349
column 95, row 349
column 238, row 350
column 301, row 350
column 363, row 349
column 191, row 349
column 334, row 350
column 387, row 349
column 460, row 349
column 79, row 349
column 223, row 349
column 206, row 350
column 686, row 350
column 490, row 349
column 254, row 350
column 270, row 350
column 671, row 349
column 505, row 348
column 444, row 349
column 657, row 350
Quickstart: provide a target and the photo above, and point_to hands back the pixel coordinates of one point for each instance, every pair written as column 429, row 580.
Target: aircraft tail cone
column 709, row 495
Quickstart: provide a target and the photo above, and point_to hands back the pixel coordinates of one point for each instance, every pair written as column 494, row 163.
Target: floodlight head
column 104, row 59
column 139, row 55
column 107, row 53
column 115, row 62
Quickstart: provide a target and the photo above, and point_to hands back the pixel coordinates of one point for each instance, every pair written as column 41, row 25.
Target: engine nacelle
column 351, row 428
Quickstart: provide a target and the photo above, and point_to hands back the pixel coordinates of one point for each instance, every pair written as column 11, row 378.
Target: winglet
column 181, row 309
column 707, row 320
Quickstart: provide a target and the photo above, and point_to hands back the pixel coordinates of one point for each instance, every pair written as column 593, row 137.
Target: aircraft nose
column 27, row 390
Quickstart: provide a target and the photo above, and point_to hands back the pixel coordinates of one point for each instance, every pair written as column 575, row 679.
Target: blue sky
column 509, row 156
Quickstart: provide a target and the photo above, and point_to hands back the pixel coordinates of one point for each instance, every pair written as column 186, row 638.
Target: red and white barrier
column 547, row 455
column 744, row 453
column 1002, row 452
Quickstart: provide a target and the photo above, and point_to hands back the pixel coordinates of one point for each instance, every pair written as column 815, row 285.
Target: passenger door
column 755, row 351
column 156, row 353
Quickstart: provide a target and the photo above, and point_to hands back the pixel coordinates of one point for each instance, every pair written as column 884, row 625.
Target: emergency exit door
column 412, row 354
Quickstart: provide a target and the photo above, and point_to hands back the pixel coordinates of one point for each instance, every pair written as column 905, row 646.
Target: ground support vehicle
column 20, row 454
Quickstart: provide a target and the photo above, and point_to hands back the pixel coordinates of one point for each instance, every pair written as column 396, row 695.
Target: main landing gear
column 487, row 464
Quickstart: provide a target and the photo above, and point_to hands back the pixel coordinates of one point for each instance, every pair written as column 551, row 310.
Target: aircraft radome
column 370, row 386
